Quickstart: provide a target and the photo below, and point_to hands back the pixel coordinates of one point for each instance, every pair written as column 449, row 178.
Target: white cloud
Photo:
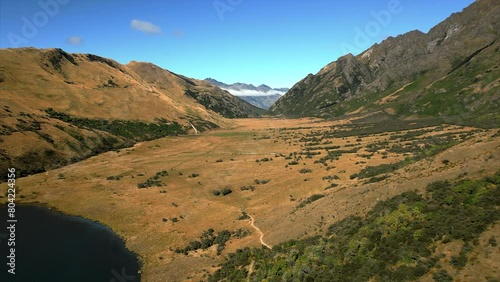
column 145, row 27
column 248, row 92
column 74, row 40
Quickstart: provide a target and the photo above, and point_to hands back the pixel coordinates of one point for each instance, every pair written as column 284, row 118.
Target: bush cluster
column 394, row 242
column 153, row 181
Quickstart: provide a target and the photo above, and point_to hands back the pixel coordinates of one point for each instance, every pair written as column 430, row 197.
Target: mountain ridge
column 418, row 64
column 73, row 106
column 262, row 96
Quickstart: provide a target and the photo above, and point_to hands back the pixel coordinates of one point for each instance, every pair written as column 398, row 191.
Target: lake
column 53, row 247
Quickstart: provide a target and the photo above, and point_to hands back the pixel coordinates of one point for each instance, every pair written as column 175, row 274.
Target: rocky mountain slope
column 452, row 71
column 261, row 96
column 263, row 102
column 57, row 108
column 210, row 96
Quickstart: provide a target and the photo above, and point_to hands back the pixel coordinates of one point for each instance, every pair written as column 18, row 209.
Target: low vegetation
column 209, row 238
column 309, row 200
column 222, row 192
column 133, row 130
column 394, row 242
column 154, row 180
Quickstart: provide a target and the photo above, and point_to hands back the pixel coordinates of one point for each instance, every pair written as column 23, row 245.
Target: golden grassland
column 227, row 158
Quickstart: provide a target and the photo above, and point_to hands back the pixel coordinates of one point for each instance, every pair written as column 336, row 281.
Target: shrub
column 113, row 178
column 492, row 241
column 245, row 188
column 309, row 200
column 153, row 180
column 331, row 177
column 223, row 192
column 333, row 185
column 243, row 216
column 261, row 181
column 208, row 239
column 442, row 276
column 226, row 191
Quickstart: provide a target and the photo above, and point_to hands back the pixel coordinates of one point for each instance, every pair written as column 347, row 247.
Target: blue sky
column 275, row 42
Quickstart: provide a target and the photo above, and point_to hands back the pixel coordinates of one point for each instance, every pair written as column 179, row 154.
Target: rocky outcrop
column 414, row 58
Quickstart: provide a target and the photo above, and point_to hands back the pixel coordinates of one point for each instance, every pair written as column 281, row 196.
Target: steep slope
column 451, row 71
column 71, row 106
column 213, row 98
column 261, row 96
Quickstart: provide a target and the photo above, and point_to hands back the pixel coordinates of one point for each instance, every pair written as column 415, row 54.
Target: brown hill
column 58, row 108
column 210, row 96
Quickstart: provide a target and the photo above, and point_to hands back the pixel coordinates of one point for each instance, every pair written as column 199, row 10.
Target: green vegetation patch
column 431, row 147
column 309, row 200
column 223, row 192
column 133, row 130
column 394, row 242
column 152, row 181
column 208, row 239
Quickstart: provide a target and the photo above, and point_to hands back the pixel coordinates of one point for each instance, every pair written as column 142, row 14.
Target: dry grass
column 136, row 214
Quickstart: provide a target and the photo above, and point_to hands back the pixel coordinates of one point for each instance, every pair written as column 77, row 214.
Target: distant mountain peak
column 262, row 96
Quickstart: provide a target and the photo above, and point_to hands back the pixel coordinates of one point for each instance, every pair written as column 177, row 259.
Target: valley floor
column 292, row 178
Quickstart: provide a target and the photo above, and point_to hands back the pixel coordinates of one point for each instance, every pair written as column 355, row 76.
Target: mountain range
column 451, row 72
column 261, row 96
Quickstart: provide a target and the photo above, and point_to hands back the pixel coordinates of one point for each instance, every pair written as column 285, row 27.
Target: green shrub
column 442, row 276
column 246, row 188
column 261, row 181
column 223, row 192
column 394, row 242
column 243, row 216
column 113, row 177
column 309, row 200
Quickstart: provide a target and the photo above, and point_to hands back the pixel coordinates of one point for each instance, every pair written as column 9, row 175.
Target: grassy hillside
column 68, row 107
column 184, row 203
column 212, row 98
column 396, row 241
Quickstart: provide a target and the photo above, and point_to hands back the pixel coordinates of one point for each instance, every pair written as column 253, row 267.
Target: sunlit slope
column 451, row 72
column 57, row 108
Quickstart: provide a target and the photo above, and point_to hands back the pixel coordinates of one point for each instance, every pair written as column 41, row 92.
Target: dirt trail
column 252, row 220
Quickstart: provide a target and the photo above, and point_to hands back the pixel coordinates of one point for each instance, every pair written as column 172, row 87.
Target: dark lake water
column 53, row 247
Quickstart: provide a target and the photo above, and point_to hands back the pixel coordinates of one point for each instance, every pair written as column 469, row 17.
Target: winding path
column 252, row 221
